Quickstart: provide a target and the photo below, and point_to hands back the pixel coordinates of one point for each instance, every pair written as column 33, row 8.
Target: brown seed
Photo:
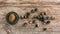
column 47, row 22
column 52, row 18
column 12, row 17
column 47, row 17
column 44, row 29
column 24, row 24
column 32, row 11
column 33, row 21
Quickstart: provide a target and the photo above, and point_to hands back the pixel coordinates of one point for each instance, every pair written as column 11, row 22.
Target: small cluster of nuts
column 13, row 17
column 43, row 16
column 28, row 14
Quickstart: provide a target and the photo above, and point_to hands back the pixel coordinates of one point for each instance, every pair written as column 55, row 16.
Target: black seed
column 33, row 21
column 21, row 17
column 44, row 13
column 36, row 25
column 41, row 13
column 47, row 22
column 35, row 9
column 41, row 19
column 25, row 16
column 28, row 13
column 44, row 29
column 16, row 18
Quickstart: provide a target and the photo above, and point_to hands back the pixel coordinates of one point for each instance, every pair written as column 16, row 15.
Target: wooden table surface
column 51, row 7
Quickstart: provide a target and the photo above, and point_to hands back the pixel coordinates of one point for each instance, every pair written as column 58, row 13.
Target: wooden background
column 52, row 7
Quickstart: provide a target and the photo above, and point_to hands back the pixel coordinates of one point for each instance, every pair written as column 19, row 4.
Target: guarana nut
column 12, row 17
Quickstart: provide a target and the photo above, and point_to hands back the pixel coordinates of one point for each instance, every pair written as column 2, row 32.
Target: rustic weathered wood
column 52, row 7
